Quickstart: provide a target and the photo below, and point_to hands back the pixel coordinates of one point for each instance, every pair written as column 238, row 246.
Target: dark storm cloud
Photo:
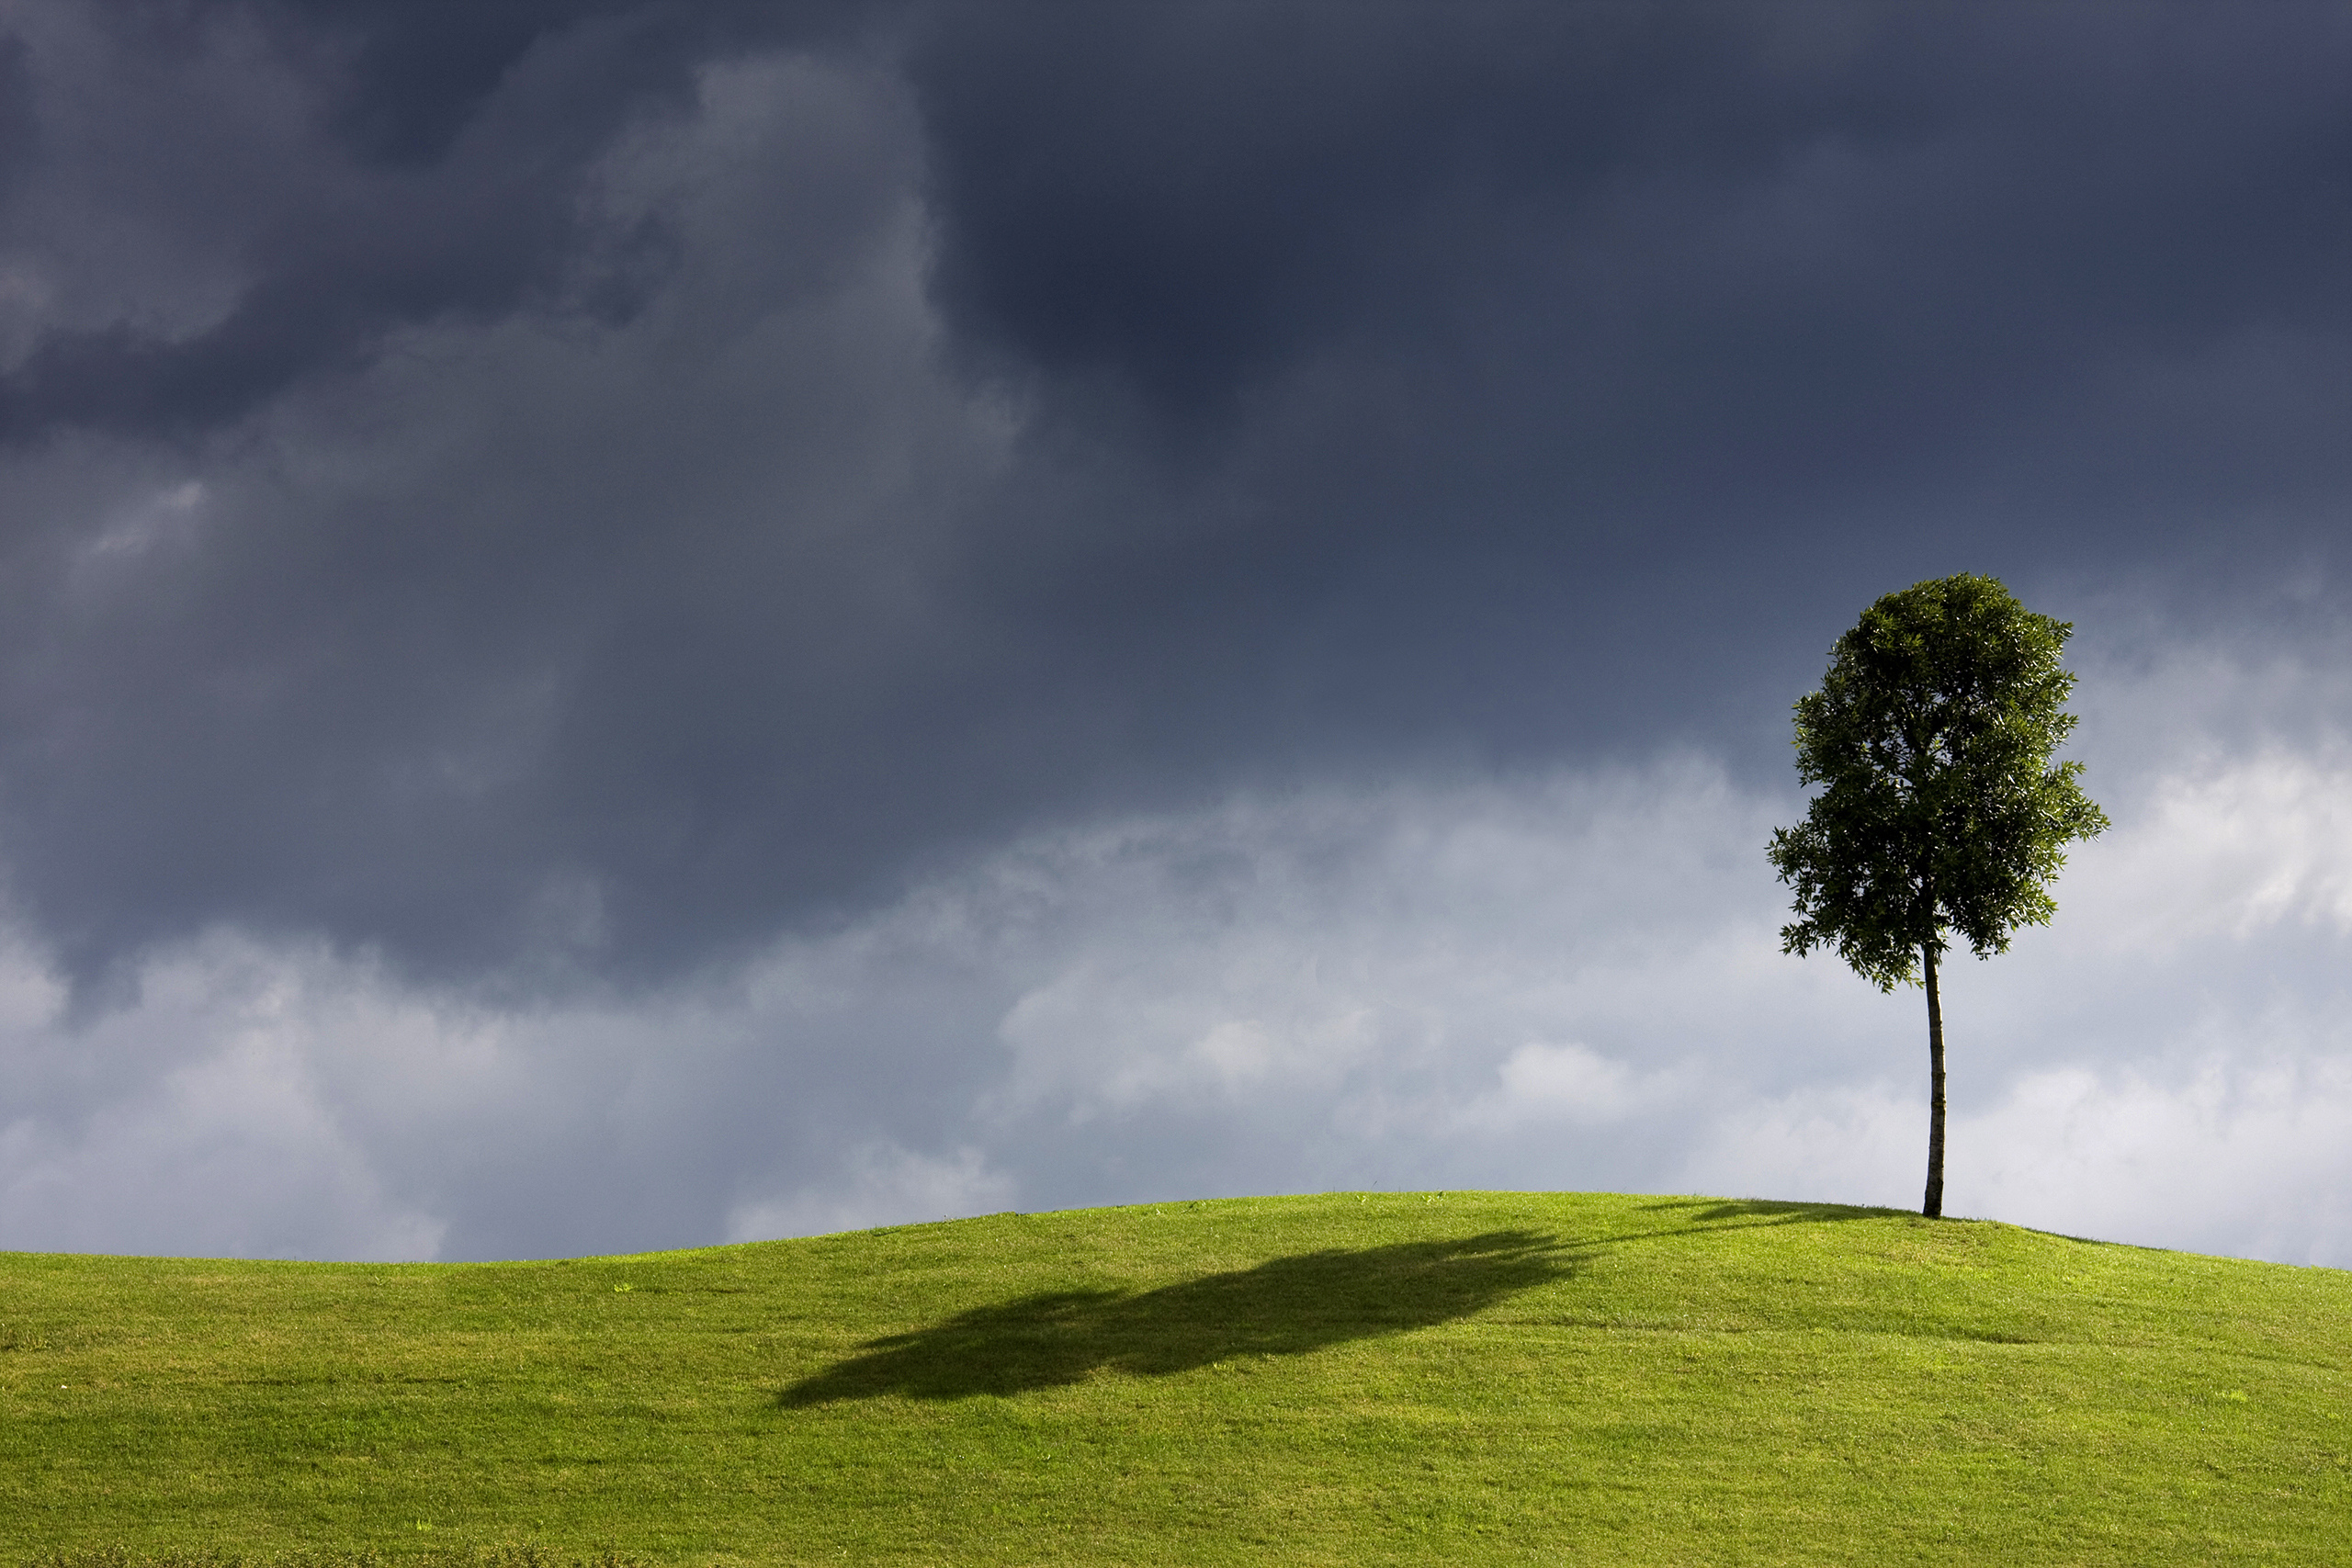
column 1783, row 212
column 19, row 126
column 663, row 471
column 463, row 130
column 1253, row 180
column 1519, row 380
column 1649, row 279
column 413, row 77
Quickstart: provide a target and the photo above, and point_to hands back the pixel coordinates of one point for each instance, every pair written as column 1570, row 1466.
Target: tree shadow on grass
column 1710, row 1212
column 1286, row 1306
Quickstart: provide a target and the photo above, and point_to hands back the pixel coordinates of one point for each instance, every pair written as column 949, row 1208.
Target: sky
column 630, row 624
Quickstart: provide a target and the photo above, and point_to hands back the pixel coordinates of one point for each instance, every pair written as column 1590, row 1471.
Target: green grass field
column 1457, row 1377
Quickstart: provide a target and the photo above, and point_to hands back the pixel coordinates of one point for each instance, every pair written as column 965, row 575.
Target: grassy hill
column 1459, row 1377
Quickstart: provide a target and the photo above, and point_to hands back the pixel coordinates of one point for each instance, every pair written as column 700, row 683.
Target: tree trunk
column 1933, row 1206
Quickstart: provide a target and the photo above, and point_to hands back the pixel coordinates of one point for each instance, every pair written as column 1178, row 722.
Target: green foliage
column 1940, row 809
column 1351, row 1379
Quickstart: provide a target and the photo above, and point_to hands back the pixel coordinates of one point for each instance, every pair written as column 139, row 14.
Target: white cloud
column 1569, row 1084
column 231, row 1146
column 1837, row 1142
column 2226, row 849
column 879, row 1184
column 2249, row 1157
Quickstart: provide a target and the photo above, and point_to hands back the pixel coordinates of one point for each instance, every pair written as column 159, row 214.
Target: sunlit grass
column 1349, row 1378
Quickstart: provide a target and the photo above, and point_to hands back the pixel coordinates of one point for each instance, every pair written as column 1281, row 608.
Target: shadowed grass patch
column 1285, row 1306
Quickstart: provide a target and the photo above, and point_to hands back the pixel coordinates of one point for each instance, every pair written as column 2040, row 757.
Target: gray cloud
column 535, row 510
column 1568, row 979
column 505, row 637
column 664, row 475
column 343, row 171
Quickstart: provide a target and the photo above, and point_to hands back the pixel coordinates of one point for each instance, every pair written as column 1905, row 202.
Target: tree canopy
column 1941, row 811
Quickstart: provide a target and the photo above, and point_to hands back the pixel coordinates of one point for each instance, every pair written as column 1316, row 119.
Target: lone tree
column 1941, row 810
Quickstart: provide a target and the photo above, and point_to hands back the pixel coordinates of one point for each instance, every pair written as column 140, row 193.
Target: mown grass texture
column 1343, row 1379
column 509, row 1554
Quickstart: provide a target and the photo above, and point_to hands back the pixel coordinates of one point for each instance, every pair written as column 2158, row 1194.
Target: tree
column 1940, row 809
